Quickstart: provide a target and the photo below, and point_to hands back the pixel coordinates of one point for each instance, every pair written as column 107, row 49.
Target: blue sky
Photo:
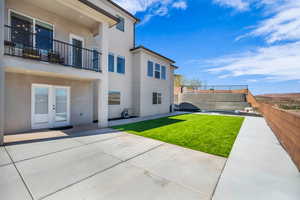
column 253, row 42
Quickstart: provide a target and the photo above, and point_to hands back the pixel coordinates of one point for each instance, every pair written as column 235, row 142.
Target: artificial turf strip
column 212, row 134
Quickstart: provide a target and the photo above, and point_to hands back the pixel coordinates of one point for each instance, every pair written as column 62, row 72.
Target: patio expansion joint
column 97, row 141
column 6, row 164
column 14, row 164
column 80, row 144
column 219, row 178
column 101, row 171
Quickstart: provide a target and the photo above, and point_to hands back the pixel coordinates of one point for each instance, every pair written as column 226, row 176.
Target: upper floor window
column 150, row 69
column 157, row 71
column 23, row 28
column 111, row 62
column 121, row 65
column 163, row 73
column 121, row 24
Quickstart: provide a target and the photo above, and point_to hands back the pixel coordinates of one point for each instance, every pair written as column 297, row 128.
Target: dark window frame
column 121, row 25
column 156, row 98
column 163, row 73
column 111, row 66
column 157, row 71
column 120, row 68
column 35, row 23
column 150, row 69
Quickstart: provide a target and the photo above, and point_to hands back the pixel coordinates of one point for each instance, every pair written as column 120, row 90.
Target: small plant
column 31, row 53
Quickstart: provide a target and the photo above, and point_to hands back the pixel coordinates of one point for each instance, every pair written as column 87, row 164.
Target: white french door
column 50, row 106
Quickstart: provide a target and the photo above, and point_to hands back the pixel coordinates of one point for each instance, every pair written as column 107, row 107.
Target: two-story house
column 74, row 62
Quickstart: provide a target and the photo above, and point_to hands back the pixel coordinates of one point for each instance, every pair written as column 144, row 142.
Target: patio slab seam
column 3, row 165
column 81, row 144
column 97, row 141
column 20, row 175
column 101, row 171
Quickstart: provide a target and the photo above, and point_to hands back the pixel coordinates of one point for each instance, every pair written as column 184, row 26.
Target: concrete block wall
column 216, row 101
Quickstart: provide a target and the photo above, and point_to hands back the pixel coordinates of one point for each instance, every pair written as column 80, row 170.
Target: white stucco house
column 74, row 62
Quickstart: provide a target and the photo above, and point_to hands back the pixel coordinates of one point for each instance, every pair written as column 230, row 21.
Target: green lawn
column 208, row 133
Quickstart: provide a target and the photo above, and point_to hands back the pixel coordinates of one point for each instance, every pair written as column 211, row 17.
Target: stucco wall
column 120, row 43
column 136, row 81
column 148, row 85
column 18, row 100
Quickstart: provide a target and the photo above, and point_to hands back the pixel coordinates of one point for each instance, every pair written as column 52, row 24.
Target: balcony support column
column 102, row 96
column 2, row 23
column 2, row 105
column 2, row 72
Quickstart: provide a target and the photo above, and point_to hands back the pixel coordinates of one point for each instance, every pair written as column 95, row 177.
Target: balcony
column 21, row 41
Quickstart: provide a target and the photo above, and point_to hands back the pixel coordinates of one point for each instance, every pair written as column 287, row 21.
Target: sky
column 225, row 42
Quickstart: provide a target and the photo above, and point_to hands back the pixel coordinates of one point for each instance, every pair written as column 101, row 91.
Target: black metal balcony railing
column 20, row 42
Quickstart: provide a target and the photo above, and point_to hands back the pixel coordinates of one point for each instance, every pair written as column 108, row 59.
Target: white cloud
column 135, row 6
column 278, row 62
column 240, row 5
column 283, row 24
column 151, row 8
column 280, row 59
column 180, row 5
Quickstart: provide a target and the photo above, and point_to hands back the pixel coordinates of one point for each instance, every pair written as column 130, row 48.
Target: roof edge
column 149, row 50
column 174, row 66
column 100, row 10
column 124, row 10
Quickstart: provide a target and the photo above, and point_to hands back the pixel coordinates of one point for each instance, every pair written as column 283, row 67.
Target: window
column 121, row 65
column 23, row 28
column 111, row 62
column 157, row 71
column 163, row 73
column 114, row 98
column 156, row 98
column 44, row 35
column 121, row 25
column 150, row 69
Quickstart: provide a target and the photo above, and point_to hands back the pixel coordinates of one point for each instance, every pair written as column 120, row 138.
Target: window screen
column 114, row 98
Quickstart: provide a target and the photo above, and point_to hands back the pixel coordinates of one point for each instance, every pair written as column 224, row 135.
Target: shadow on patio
column 48, row 135
column 148, row 125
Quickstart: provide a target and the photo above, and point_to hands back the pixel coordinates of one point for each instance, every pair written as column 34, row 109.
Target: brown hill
column 293, row 96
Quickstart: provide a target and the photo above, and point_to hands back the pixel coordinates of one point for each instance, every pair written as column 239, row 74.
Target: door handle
column 53, row 107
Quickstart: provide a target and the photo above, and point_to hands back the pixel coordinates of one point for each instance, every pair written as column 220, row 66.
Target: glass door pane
column 61, row 104
column 41, row 101
column 41, row 107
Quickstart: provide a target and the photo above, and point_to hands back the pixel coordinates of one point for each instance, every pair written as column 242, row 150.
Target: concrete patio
column 106, row 164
